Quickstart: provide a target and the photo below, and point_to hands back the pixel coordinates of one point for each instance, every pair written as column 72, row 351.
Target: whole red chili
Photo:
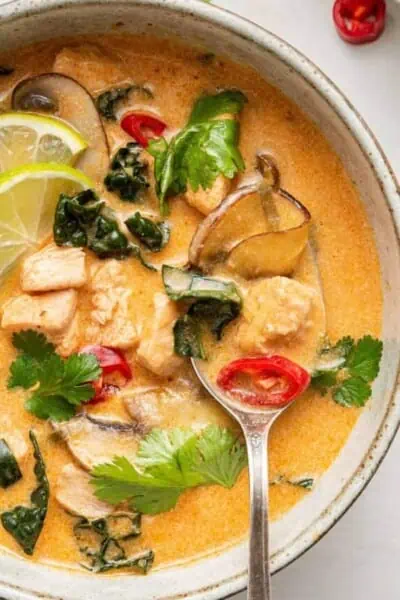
column 142, row 127
column 359, row 21
column 111, row 360
column 264, row 380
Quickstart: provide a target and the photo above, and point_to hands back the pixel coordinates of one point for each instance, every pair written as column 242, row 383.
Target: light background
column 360, row 558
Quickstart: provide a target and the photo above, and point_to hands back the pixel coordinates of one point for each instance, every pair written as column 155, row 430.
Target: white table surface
column 360, row 558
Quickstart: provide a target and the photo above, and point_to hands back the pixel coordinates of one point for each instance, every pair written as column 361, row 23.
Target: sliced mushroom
column 96, row 440
column 75, row 493
column 67, row 99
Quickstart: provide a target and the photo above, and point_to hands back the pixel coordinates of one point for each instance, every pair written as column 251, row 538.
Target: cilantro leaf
column 168, row 463
column 61, row 385
column 365, row 357
column 33, row 344
column 205, row 148
column 322, row 380
column 352, row 392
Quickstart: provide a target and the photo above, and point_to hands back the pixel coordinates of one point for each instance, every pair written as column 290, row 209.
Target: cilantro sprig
column 357, row 365
column 204, row 149
column 58, row 386
column 168, row 463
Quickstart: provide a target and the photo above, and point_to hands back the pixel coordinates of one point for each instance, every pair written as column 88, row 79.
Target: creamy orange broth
column 309, row 435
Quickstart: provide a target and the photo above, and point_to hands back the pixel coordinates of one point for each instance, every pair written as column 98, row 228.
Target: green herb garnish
column 128, row 173
column 9, row 469
column 26, row 523
column 306, row 483
column 107, row 101
column 154, row 236
column 356, row 366
column 187, row 338
column 61, row 385
column 168, row 463
column 204, row 149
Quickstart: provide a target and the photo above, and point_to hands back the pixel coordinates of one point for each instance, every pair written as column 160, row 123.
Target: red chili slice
column 264, row 380
column 142, row 127
column 359, row 21
column 111, row 360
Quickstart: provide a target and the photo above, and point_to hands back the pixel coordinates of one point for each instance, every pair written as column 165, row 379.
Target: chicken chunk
column 14, row 438
column 111, row 322
column 89, row 64
column 53, row 268
column 50, row 313
column 275, row 311
column 156, row 349
column 75, row 493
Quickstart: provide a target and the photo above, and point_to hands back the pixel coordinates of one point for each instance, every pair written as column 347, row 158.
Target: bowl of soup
column 177, row 182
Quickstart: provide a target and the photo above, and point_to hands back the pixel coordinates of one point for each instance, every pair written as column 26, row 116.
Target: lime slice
column 28, row 198
column 27, row 138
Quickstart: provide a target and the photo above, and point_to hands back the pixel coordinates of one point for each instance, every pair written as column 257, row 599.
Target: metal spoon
column 256, row 424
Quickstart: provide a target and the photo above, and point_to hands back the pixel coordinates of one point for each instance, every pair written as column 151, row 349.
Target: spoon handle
column 259, row 587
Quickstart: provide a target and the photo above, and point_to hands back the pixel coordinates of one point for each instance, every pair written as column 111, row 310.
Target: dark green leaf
column 323, row 380
column 107, row 101
column 365, row 357
column 209, row 107
column 217, row 314
column 188, row 285
column 154, row 236
column 9, row 470
column 73, row 216
column 53, row 407
column 23, row 372
column 32, row 343
column 128, row 174
column 352, row 392
column 187, row 338
column 25, row 524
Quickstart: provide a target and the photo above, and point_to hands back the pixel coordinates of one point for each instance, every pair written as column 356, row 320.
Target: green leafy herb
column 154, row 236
column 84, row 221
column 24, row 523
column 107, row 101
column 204, row 149
column 217, row 303
column 9, row 469
column 128, row 174
column 169, row 462
column 101, row 542
column 60, row 384
column 187, row 338
column 306, row 483
column 6, row 70
column 355, row 366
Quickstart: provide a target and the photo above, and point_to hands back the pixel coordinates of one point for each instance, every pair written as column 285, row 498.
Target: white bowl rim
column 369, row 146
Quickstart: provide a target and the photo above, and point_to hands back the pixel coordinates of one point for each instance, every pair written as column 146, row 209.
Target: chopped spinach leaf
column 188, row 285
column 187, row 338
column 100, row 542
column 24, row 523
column 216, row 313
column 107, row 101
column 204, row 149
column 6, row 70
column 154, row 236
column 348, row 368
column 9, row 469
column 108, row 240
column 128, row 173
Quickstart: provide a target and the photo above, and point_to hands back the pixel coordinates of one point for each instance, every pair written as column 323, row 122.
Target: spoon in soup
column 282, row 381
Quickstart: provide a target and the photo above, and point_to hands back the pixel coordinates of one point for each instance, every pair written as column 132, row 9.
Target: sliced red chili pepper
column 359, row 21
column 142, row 127
column 111, row 360
column 264, row 380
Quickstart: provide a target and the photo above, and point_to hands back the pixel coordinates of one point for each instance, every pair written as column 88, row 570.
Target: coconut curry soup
column 158, row 203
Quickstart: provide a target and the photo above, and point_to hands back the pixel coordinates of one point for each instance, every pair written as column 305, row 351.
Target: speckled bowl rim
column 368, row 144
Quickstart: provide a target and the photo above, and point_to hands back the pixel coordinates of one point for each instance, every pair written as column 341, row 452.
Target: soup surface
column 123, row 304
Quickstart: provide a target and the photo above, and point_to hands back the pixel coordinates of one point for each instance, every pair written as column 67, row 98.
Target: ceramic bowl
column 215, row 577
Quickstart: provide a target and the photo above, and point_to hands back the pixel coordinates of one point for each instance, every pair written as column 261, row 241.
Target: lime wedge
column 27, row 138
column 28, row 198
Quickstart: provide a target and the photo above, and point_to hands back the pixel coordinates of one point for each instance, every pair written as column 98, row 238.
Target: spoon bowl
column 256, row 424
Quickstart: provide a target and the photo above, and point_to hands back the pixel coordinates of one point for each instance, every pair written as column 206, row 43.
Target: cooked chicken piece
column 51, row 313
column 69, row 341
column 111, row 322
column 96, row 440
column 156, row 349
column 89, row 64
column 14, row 438
column 275, row 311
column 208, row 200
column 75, row 493
column 53, row 268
